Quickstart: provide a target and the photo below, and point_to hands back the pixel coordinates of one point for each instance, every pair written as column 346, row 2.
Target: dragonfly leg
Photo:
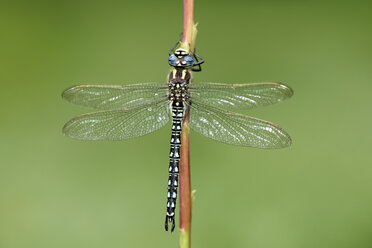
column 198, row 62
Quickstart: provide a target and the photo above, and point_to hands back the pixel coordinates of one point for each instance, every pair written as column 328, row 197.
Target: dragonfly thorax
column 178, row 85
column 178, row 91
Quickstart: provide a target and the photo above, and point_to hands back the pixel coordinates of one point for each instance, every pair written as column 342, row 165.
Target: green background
column 57, row 192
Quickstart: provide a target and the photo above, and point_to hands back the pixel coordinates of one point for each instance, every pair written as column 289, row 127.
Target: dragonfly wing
column 105, row 97
column 236, row 129
column 119, row 124
column 240, row 96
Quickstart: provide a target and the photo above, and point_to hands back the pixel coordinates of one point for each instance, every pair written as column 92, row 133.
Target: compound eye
column 172, row 60
column 189, row 60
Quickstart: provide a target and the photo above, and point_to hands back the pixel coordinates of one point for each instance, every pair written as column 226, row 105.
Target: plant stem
column 185, row 186
column 188, row 41
column 188, row 21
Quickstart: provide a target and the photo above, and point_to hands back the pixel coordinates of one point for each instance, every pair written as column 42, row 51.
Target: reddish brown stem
column 188, row 21
column 185, row 184
column 184, row 176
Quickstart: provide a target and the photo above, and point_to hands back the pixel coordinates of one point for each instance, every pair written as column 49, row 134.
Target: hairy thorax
column 178, row 83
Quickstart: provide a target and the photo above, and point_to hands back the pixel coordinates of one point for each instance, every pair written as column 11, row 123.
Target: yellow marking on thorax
column 183, row 73
column 174, row 72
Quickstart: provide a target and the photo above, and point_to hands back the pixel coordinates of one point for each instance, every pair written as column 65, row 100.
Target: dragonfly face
column 130, row 111
column 180, row 58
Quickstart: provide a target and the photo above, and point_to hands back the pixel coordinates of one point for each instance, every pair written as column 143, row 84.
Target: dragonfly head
column 181, row 58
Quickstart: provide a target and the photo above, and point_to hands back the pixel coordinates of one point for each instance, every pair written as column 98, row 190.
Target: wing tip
column 288, row 90
column 68, row 130
column 67, row 92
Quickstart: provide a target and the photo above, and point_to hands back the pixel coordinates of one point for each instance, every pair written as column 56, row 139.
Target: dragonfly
column 130, row 111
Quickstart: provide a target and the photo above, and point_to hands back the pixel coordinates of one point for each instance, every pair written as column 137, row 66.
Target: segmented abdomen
column 174, row 160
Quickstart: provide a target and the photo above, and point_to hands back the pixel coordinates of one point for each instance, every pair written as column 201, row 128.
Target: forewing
column 236, row 129
column 118, row 124
column 240, row 96
column 105, row 97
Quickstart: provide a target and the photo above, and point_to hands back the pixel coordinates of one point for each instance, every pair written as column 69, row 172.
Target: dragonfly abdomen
column 174, row 160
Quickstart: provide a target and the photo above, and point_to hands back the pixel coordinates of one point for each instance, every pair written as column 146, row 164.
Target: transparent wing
column 119, row 124
column 105, row 97
column 240, row 96
column 236, row 129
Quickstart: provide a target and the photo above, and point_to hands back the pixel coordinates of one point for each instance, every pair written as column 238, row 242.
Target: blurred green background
column 57, row 192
